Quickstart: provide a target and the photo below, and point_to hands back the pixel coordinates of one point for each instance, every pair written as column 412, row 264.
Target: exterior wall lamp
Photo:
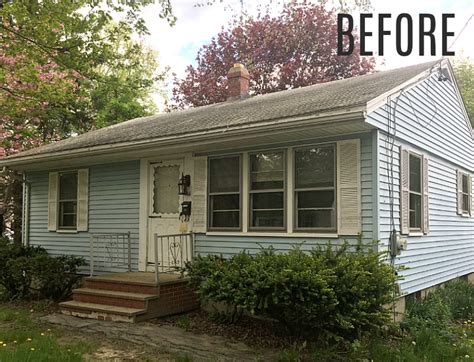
column 183, row 184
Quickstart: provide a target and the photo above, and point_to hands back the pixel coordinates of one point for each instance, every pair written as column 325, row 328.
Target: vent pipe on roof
column 238, row 82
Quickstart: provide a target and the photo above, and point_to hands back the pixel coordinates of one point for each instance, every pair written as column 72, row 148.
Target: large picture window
column 224, row 193
column 67, row 200
column 315, row 188
column 267, row 190
column 415, row 182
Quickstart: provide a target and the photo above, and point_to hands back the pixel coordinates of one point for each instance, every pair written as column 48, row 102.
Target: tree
column 293, row 49
column 67, row 67
column 464, row 71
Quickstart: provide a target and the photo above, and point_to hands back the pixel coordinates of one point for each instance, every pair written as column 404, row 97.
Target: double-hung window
column 415, row 191
column 267, row 190
column 466, row 207
column 315, row 188
column 464, row 194
column 225, row 193
column 67, row 200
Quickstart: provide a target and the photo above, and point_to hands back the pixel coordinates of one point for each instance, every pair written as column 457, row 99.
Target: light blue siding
column 113, row 208
column 230, row 245
column 447, row 251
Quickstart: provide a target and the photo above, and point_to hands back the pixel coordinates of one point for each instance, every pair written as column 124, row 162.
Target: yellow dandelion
column 28, row 339
column 14, row 342
column 42, row 333
column 4, row 345
column 49, row 330
column 32, row 348
column 31, row 310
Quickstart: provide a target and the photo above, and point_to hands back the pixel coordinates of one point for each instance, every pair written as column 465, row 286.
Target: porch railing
column 111, row 250
column 171, row 252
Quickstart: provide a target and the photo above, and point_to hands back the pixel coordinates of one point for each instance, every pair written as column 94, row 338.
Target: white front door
column 164, row 203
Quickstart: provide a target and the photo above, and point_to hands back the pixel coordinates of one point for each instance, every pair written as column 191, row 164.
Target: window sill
column 416, row 233
column 67, row 231
column 273, row 234
column 466, row 215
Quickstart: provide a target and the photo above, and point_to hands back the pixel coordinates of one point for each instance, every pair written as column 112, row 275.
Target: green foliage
column 331, row 292
column 464, row 70
column 442, row 307
column 30, row 273
column 24, row 340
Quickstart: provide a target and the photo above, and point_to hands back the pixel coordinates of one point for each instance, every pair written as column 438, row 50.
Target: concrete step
column 114, row 298
column 101, row 311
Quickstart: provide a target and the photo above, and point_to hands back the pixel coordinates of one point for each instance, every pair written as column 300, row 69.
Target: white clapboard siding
column 446, row 251
column 348, row 187
column 199, row 190
column 113, row 208
column 425, row 202
column 53, row 190
column 82, row 199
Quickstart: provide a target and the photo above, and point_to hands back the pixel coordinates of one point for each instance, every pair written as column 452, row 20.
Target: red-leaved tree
column 294, row 49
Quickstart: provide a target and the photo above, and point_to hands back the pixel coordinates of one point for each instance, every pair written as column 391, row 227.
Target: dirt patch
column 260, row 333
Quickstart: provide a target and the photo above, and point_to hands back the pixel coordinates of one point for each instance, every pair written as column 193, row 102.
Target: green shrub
column 30, row 273
column 445, row 305
column 329, row 292
column 459, row 295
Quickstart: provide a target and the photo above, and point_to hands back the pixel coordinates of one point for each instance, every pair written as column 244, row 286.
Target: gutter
column 290, row 123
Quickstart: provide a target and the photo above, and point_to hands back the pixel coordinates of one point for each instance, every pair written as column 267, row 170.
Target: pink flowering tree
column 67, row 67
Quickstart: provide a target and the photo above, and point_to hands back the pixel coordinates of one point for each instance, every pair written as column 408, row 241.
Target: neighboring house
column 392, row 150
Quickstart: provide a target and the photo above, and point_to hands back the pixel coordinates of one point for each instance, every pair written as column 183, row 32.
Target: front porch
column 131, row 297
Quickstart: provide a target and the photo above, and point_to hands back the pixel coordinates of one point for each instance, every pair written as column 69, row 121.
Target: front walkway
column 167, row 338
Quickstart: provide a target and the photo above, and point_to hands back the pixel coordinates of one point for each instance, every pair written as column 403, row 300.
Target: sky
column 177, row 46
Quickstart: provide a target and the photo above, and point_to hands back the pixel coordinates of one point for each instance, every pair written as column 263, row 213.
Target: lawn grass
column 23, row 339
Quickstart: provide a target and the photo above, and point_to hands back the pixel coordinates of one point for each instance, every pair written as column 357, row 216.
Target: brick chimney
column 238, row 82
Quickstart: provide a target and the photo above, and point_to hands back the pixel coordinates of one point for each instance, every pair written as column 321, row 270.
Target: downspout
column 26, row 212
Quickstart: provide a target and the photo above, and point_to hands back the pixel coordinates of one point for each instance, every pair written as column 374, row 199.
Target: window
column 267, row 190
column 315, row 191
column 465, row 194
column 67, row 201
column 224, row 193
column 415, row 192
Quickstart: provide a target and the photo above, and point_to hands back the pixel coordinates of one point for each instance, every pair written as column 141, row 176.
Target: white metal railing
column 171, row 252
column 110, row 250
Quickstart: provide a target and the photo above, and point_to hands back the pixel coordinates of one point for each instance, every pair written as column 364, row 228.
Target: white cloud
column 177, row 46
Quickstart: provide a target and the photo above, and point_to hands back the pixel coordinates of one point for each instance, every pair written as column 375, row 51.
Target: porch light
column 183, row 184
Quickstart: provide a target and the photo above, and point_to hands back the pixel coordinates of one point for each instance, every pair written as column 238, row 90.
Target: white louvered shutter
column 83, row 199
column 426, row 206
column 459, row 192
column 349, row 187
column 404, row 191
column 199, row 194
column 53, row 189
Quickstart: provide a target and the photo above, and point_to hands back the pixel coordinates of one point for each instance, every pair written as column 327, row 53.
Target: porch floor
column 139, row 278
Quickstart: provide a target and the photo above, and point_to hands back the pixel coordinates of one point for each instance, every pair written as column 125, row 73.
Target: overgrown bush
column 452, row 302
column 329, row 292
column 28, row 272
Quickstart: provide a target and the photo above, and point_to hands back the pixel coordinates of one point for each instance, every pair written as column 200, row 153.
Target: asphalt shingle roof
column 340, row 94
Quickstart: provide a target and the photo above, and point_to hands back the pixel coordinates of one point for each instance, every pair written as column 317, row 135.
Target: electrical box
column 397, row 243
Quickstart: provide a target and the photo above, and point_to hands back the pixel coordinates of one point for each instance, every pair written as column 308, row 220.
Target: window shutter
column 199, row 194
column 426, row 206
column 53, row 190
column 404, row 191
column 459, row 192
column 82, row 199
column 349, row 187
column 469, row 187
